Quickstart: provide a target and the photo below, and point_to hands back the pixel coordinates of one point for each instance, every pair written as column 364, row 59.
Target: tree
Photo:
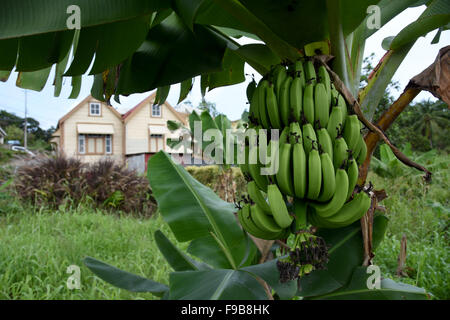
column 430, row 119
column 14, row 133
column 144, row 45
column 205, row 105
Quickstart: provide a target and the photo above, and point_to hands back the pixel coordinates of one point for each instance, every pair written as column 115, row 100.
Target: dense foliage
column 67, row 181
column 13, row 125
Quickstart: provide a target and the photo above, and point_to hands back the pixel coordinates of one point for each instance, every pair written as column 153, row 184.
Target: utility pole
column 25, row 129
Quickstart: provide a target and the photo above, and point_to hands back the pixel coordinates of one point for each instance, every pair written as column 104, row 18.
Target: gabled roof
column 85, row 100
column 130, row 113
column 2, row 132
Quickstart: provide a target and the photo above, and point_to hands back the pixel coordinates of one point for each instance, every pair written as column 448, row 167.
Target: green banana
column 324, row 78
column 278, row 206
column 263, row 221
column 308, row 103
column 284, row 136
column 274, row 159
column 310, row 72
column 350, row 212
column 340, row 153
column 321, row 105
column 284, row 174
column 362, row 154
column 295, row 133
column 358, row 147
column 341, row 104
column 309, row 135
column 328, row 178
column 284, row 98
column 334, row 96
column 325, row 141
column 299, row 170
column 254, row 168
column 262, row 112
column 352, row 173
column 335, row 122
column 338, row 199
column 314, row 175
column 257, row 197
column 272, row 108
column 279, row 75
column 244, row 166
column 351, row 132
column 248, row 225
column 300, row 212
column 300, row 72
column 296, row 98
column 358, row 144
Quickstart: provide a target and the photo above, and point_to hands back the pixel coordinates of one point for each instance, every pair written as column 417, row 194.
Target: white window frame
column 159, row 115
column 99, row 109
column 81, row 144
column 108, row 144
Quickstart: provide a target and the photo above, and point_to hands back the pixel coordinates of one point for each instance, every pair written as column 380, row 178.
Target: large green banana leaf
column 346, row 253
column 197, row 213
column 357, row 289
column 170, row 54
column 123, row 279
column 177, row 259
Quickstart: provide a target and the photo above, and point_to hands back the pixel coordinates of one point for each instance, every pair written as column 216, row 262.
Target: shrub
column 114, row 186
column 210, row 176
column 59, row 180
column 51, row 181
column 5, row 155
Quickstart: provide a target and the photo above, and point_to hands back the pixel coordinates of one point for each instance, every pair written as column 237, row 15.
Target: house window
column 94, row 109
column 108, row 144
column 94, row 144
column 156, row 142
column 156, row 110
column 82, row 144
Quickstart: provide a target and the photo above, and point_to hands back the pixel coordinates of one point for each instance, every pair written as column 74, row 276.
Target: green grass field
column 39, row 244
column 421, row 212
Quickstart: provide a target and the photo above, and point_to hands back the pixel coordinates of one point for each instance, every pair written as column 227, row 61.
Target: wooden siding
column 137, row 131
column 79, row 115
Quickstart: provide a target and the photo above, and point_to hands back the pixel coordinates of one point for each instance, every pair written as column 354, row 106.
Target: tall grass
column 421, row 212
column 39, row 245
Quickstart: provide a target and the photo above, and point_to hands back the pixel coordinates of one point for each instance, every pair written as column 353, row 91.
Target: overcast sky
column 231, row 100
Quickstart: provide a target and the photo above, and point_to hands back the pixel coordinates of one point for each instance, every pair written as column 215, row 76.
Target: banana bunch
column 319, row 150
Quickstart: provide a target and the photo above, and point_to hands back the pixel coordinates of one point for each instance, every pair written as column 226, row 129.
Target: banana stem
column 337, row 40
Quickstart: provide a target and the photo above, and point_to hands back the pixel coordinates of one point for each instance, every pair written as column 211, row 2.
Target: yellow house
column 146, row 131
column 90, row 131
column 93, row 130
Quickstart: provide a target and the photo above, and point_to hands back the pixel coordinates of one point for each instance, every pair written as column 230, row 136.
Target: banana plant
column 134, row 46
column 221, row 261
